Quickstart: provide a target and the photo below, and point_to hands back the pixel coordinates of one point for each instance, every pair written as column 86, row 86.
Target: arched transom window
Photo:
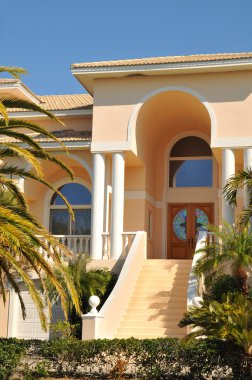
column 61, row 222
column 191, row 163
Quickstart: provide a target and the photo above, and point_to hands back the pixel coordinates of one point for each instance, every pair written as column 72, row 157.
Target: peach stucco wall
column 229, row 95
column 4, row 314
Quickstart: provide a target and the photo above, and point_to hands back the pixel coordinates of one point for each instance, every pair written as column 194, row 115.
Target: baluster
column 105, row 254
column 69, row 242
column 125, row 245
column 74, row 245
column 86, row 246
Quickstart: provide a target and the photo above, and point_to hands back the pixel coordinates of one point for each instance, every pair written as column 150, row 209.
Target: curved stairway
column 158, row 302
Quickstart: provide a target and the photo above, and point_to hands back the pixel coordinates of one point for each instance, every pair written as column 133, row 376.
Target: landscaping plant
column 22, row 237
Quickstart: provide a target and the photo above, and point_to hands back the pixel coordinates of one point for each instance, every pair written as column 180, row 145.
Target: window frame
column 64, row 207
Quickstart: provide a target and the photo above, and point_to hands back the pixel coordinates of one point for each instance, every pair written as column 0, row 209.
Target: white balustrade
column 78, row 244
column 127, row 238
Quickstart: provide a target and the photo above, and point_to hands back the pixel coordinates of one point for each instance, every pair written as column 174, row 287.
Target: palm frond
column 14, row 71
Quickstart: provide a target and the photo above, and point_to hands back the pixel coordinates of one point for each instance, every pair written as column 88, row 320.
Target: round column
column 228, row 169
column 247, row 162
column 117, row 204
column 97, row 205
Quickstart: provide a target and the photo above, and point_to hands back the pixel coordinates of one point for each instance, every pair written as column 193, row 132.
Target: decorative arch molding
column 134, row 115
column 74, row 157
column 57, row 184
column 78, row 159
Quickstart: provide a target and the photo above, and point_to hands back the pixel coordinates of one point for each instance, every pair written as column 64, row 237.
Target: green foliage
column 87, row 282
column 63, row 330
column 167, row 358
column 22, row 237
column 230, row 320
column 222, row 285
column 232, row 246
column 242, row 180
column 11, row 351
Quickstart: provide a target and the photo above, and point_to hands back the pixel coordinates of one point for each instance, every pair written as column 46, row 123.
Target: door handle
column 192, row 242
column 189, row 242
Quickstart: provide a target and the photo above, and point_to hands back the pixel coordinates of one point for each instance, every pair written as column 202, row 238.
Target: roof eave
column 58, row 113
column 87, row 75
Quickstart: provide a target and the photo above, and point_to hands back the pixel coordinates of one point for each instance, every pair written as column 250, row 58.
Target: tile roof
column 66, row 102
column 9, row 80
column 68, row 135
column 63, row 102
column 164, row 60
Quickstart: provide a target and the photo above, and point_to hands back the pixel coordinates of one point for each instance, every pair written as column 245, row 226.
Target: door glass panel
column 179, row 224
column 82, row 223
column 201, row 220
column 60, row 222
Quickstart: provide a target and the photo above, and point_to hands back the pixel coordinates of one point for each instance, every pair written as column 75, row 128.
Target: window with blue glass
column 61, row 222
column 191, row 163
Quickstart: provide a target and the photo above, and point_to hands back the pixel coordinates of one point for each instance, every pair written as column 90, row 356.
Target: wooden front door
column 184, row 222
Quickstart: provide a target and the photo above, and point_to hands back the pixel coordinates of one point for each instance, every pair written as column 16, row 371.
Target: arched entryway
column 173, row 133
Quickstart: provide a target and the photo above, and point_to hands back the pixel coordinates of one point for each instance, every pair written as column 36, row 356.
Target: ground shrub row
column 119, row 359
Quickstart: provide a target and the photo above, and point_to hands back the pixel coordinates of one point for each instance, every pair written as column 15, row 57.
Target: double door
column 184, row 222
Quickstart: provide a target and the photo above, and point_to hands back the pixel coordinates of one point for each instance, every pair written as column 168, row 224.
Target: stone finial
column 94, row 301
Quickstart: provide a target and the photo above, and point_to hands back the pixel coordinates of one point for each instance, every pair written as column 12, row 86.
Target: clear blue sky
column 46, row 36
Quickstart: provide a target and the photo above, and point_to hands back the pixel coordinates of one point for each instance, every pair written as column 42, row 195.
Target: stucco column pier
column 118, row 168
column 228, row 169
column 247, row 162
column 97, row 205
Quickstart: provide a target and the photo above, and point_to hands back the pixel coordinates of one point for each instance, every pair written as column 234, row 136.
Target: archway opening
column 173, row 131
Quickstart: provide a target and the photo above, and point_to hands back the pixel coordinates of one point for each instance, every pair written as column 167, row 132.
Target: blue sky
column 46, row 36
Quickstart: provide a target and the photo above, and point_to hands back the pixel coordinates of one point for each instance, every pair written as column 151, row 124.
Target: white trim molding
column 144, row 195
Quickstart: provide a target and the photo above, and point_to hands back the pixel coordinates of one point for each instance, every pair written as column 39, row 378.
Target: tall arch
column 134, row 115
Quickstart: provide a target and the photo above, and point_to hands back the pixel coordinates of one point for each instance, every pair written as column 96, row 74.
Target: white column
column 228, row 169
column 97, row 205
column 247, row 165
column 117, row 204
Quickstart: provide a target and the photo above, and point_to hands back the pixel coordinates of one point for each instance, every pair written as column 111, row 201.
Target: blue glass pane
column 75, row 193
column 179, row 225
column 82, row 223
column 59, row 222
column 191, row 173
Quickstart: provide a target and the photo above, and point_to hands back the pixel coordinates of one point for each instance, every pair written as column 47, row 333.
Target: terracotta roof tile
column 64, row 136
column 164, row 60
column 63, row 102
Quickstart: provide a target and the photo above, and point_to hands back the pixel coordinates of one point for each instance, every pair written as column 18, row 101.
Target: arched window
column 191, row 163
column 61, row 222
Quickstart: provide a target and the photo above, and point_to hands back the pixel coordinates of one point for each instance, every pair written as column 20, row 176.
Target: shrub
column 11, row 351
column 167, row 358
column 222, row 285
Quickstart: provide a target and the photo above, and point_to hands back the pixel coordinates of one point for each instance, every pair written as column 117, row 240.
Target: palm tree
column 243, row 179
column 232, row 245
column 22, row 238
column 230, row 320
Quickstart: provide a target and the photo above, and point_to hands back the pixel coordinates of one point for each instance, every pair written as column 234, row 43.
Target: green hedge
column 11, row 351
column 118, row 359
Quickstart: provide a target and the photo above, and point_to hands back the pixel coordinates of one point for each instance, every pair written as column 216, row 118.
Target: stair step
column 158, row 301
column 154, row 311
column 149, row 324
column 132, row 331
column 151, row 318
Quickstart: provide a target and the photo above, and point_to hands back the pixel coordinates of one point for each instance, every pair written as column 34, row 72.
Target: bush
column 167, row 358
column 11, row 351
column 222, row 285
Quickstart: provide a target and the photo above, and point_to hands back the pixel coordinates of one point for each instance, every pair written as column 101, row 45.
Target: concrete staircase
column 158, row 301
